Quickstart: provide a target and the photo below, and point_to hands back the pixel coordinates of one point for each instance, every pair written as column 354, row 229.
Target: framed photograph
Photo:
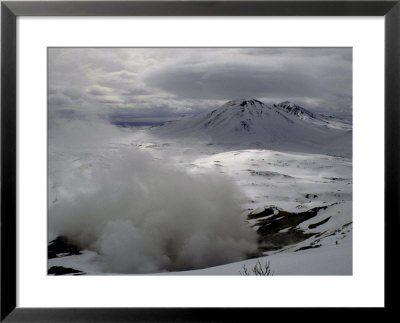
column 156, row 153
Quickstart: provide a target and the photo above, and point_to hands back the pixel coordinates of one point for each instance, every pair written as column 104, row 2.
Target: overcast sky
column 164, row 82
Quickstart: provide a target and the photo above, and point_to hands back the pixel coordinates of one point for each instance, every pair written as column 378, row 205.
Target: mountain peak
column 243, row 102
column 294, row 109
column 251, row 123
column 287, row 103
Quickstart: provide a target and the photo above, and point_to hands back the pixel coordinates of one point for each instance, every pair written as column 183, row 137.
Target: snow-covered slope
column 275, row 174
column 300, row 205
column 296, row 110
column 251, row 123
column 329, row 121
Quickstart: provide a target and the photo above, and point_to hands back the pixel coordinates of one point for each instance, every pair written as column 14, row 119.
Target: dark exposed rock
column 280, row 229
column 59, row 270
column 315, row 225
column 61, row 246
column 266, row 212
column 308, row 247
column 267, row 173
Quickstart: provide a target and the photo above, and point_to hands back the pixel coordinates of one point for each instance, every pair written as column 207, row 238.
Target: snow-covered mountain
column 294, row 109
column 251, row 123
column 316, row 118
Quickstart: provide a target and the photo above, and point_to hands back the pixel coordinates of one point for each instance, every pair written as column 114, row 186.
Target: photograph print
column 200, row 161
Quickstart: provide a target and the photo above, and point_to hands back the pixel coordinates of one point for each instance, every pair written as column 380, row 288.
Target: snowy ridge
column 294, row 109
column 316, row 118
column 251, row 123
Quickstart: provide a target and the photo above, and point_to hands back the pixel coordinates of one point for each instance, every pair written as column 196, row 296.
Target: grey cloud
column 288, row 73
column 98, row 91
column 141, row 214
column 185, row 80
column 59, row 99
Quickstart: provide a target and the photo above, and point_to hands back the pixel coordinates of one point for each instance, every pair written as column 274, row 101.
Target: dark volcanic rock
column 308, row 247
column 266, row 212
column 279, row 230
column 59, row 270
column 315, row 225
column 62, row 246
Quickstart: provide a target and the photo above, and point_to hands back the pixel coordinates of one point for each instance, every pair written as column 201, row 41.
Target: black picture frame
column 10, row 10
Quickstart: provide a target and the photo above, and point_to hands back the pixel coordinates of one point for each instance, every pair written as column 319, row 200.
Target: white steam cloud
column 140, row 214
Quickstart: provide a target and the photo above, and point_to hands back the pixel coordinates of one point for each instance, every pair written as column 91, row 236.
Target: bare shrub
column 257, row 270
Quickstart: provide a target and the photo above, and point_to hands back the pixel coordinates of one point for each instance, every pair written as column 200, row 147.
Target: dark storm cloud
column 341, row 53
column 224, row 82
column 280, row 73
column 162, row 81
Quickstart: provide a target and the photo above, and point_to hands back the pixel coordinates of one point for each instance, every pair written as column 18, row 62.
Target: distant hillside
column 251, row 123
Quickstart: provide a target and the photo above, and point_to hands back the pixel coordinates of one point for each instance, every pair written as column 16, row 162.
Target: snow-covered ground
column 298, row 205
column 331, row 259
column 290, row 182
